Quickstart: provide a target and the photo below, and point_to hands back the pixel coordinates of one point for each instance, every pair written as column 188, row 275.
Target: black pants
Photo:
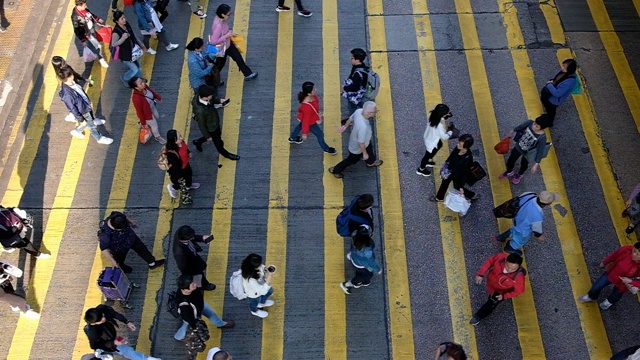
column 550, row 109
column 488, row 307
column 363, row 277
column 3, row 19
column 513, row 157
column 298, row 4
column 624, row 354
column 429, row 155
column 352, row 159
column 161, row 8
column 25, row 235
column 232, row 51
column 216, row 137
column 140, row 248
column 8, row 295
column 186, row 173
column 457, row 184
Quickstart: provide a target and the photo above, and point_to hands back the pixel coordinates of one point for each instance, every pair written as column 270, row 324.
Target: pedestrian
column 117, row 237
column 309, row 118
column 360, row 145
column 84, row 26
column 16, row 232
column 201, row 63
column 557, row 89
column 130, row 48
column 630, row 353
column 433, row 136
column 359, row 212
column 160, row 6
column 8, row 293
column 144, row 100
column 58, row 63
column 180, row 173
column 218, row 354
column 256, row 281
column 301, row 10
column 220, row 35
column 355, row 86
column 363, row 258
column 450, row 351
column 196, row 8
column 192, row 307
column 632, row 209
column 185, row 251
column 102, row 331
column 78, row 103
column 456, row 170
column 622, row 269
column 150, row 25
column 505, row 280
column 528, row 220
column 531, row 140
column 4, row 22
column 206, row 115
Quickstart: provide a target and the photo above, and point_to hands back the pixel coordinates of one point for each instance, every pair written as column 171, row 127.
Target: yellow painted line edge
column 550, row 12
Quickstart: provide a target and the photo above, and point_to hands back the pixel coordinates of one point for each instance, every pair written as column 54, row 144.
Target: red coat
column 508, row 285
column 619, row 264
column 143, row 109
column 308, row 114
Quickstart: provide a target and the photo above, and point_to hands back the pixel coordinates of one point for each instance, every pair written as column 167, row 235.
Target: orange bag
column 503, row 146
column 238, row 41
column 128, row 2
column 145, row 133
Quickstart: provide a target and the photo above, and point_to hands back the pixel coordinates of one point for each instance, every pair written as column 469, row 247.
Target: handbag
column 509, row 209
column 503, row 146
column 103, row 34
column 145, row 133
column 455, row 132
column 476, row 173
column 136, row 53
column 88, row 55
column 238, row 41
column 456, row 202
column 444, row 171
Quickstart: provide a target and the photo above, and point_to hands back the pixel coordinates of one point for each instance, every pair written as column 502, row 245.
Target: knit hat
column 547, row 197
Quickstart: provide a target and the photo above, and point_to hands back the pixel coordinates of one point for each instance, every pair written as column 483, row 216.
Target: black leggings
column 550, row 109
column 511, row 161
column 175, row 176
column 429, row 155
column 232, row 52
column 298, row 4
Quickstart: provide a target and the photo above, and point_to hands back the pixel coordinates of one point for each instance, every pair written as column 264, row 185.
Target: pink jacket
column 218, row 29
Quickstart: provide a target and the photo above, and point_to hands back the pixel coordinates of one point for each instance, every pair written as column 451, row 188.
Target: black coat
column 188, row 262
column 102, row 336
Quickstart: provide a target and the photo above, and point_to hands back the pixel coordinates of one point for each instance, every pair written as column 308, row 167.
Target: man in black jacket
column 355, row 86
column 185, row 251
column 101, row 329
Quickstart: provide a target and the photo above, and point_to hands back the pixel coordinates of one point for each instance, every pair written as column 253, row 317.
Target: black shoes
column 331, row 151
column 233, row 157
column 156, row 264
column 198, row 145
column 210, row 287
column 296, row 140
column 126, row 268
column 423, row 171
column 630, row 229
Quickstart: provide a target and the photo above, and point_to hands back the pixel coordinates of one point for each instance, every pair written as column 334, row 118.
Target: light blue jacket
column 365, row 257
column 142, row 12
column 528, row 219
column 199, row 67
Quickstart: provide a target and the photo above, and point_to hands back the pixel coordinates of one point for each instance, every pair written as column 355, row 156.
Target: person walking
column 301, row 10
column 356, row 214
column 456, row 170
column 622, row 269
column 102, row 332
column 355, row 86
column 149, row 25
column 218, row 354
column 78, row 103
column 632, row 209
column 117, row 237
column 58, row 63
column 180, row 173
column 220, row 35
column 16, row 232
column 557, row 90
column 202, row 69
column 450, row 351
column 363, row 258
column 256, row 282
column 84, row 26
column 531, row 140
column 505, row 280
column 4, row 22
column 144, row 101
column 130, row 48
column 191, row 307
column 8, row 292
column 360, row 145
column 433, row 136
column 206, row 115
column 309, row 118
column 185, row 251
column 196, row 8
column 528, row 220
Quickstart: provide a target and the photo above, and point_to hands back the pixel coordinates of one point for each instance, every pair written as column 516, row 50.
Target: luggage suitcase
column 115, row 286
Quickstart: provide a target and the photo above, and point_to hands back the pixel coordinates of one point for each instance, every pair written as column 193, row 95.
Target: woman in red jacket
column 505, row 280
column 309, row 118
column 622, row 269
column 144, row 100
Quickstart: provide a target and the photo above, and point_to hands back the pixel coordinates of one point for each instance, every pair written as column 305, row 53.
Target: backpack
column 342, row 220
column 235, row 285
column 163, row 162
column 577, row 87
column 172, row 304
column 509, row 209
column 9, row 221
column 373, row 84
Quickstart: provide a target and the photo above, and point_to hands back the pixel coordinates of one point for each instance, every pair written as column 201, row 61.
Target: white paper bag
column 456, row 202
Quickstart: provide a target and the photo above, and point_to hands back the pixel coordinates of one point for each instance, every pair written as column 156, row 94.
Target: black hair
column 223, row 9
column 467, row 140
column 206, row 91
column 65, row 73
column 57, row 62
column 119, row 221
column 307, row 88
column 543, row 121
column 572, row 66
column 437, row 114
column 221, row 355
column 637, row 245
column 132, row 82
column 93, row 315
column 359, row 54
column 362, row 237
column 364, row 201
column 514, row 259
column 80, row 2
column 172, row 138
column 250, row 266
column 117, row 15
column 184, row 281
column 195, row 44
column 453, row 350
column 186, row 233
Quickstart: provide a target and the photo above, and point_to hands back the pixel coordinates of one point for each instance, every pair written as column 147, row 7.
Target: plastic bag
column 88, row 55
column 503, row 146
column 456, row 202
column 238, row 41
column 145, row 133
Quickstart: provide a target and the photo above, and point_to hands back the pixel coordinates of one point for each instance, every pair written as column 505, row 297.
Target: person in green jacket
column 206, row 115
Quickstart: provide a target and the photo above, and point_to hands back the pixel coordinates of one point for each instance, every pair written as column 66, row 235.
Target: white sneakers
column 76, row 134
column 266, row 303
column 43, row 256
column 105, row 140
column 172, row 47
column 29, row 313
column 260, row 313
column 99, row 121
column 103, row 63
column 70, row 118
column 151, row 51
column 7, row 250
column 585, row 298
column 194, row 186
column 172, row 192
column 605, row 305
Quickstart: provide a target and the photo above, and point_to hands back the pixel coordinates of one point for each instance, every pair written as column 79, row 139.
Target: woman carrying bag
column 144, row 100
column 456, row 169
column 558, row 89
column 201, row 63
column 180, row 172
column 433, row 136
column 128, row 47
column 531, row 141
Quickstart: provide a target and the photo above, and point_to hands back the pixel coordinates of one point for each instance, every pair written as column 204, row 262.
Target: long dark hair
column 250, row 266
column 58, row 63
column 437, row 114
column 195, row 44
column 307, row 88
column 572, row 66
column 362, row 237
column 172, row 138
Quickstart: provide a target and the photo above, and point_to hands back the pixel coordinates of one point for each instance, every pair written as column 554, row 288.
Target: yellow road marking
column 453, row 250
column 550, row 11
column 401, row 322
column 617, row 58
column 636, row 4
column 335, row 322
column 524, row 308
column 591, row 321
column 273, row 326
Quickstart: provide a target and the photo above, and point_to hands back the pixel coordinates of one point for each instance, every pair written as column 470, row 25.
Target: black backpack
column 172, row 304
column 510, row 208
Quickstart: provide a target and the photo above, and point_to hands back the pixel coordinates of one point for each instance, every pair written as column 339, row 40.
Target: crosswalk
column 280, row 201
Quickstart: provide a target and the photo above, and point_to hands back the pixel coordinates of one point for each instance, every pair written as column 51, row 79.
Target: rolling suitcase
column 115, row 286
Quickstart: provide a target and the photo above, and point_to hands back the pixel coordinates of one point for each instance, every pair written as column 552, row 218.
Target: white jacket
column 256, row 287
column 434, row 134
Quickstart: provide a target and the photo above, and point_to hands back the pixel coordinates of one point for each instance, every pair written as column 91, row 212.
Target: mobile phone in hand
column 208, row 239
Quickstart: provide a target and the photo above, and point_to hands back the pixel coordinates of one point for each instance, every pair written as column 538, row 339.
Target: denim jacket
column 199, row 68
column 142, row 12
column 364, row 258
column 76, row 105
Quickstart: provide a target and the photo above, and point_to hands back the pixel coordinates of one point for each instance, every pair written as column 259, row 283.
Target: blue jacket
column 74, row 102
column 560, row 92
column 527, row 220
column 365, row 257
column 199, row 68
column 142, row 12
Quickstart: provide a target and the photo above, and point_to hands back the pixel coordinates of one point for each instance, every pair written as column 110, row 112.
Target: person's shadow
column 4, row 22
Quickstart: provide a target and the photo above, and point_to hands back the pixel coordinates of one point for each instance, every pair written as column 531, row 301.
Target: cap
column 547, row 197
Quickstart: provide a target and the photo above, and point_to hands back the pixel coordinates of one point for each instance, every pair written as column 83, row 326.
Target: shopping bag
column 145, row 133
column 88, row 55
column 503, row 146
column 128, row 2
column 238, row 41
column 103, row 34
column 457, row 202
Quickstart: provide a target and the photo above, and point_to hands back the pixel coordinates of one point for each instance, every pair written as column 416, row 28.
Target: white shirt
column 77, row 88
column 432, row 135
column 360, row 134
column 256, row 287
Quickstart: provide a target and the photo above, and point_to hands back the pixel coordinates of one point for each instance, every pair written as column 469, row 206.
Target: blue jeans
column 207, row 312
column 134, row 70
column 315, row 130
column 253, row 302
column 599, row 285
column 92, row 127
column 128, row 352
